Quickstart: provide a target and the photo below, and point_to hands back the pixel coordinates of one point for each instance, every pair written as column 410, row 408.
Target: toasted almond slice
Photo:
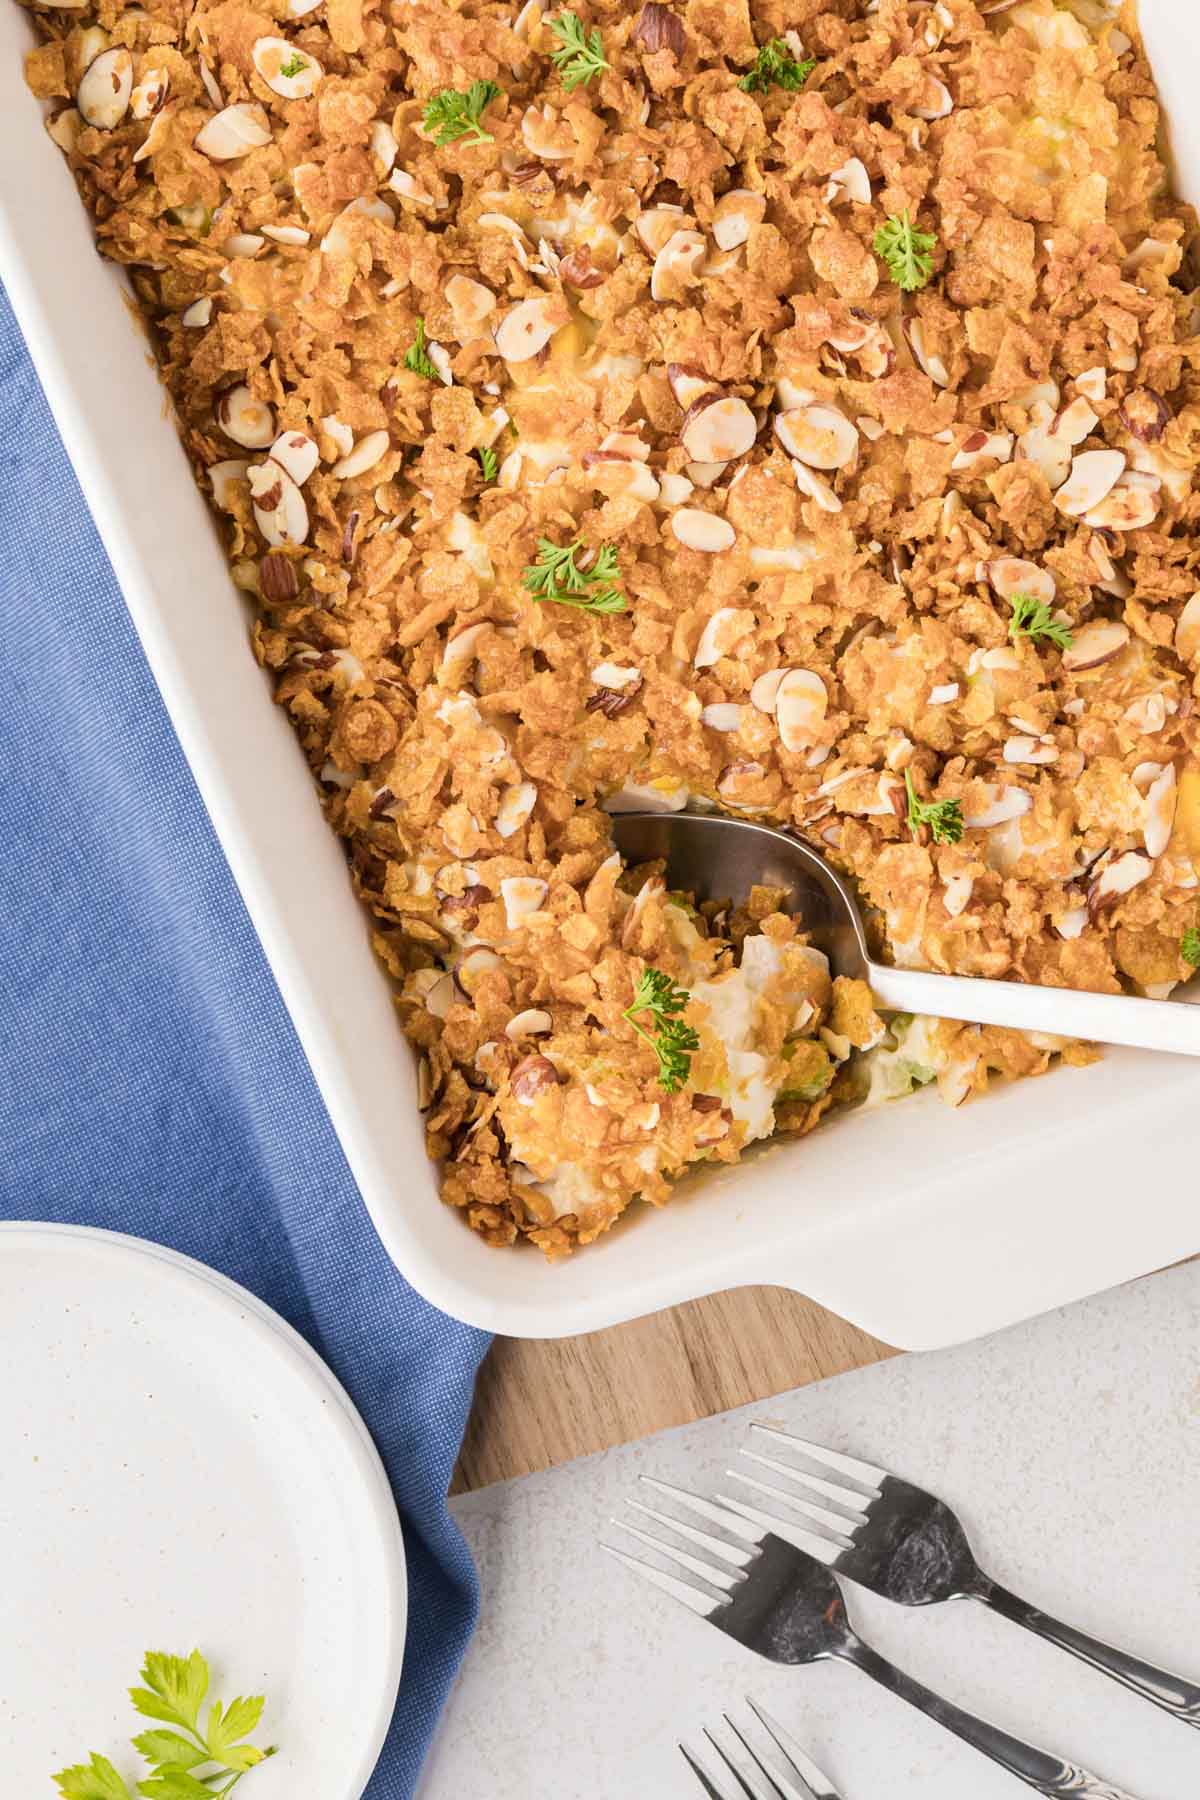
column 279, row 509
column 436, row 990
column 148, row 95
column 1187, row 631
column 408, row 188
column 289, row 72
column 295, row 452
column 535, row 1021
column 956, row 894
column 1051, row 454
column 439, row 356
column 222, row 476
column 735, row 215
column 980, row 447
column 850, row 182
column 1094, row 644
column 931, row 365
column 944, row 694
column 105, row 88
column 721, row 717
column 1161, row 802
column 287, row 234
column 815, row 487
column 676, row 266
column 615, row 475
column 249, row 422
column 1000, row 805
column 1118, row 878
column 65, row 126
column 523, row 895
column 626, row 443
column 210, row 84
column 1124, row 509
column 1038, row 750
column 1093, row 384
column 383, row 143
column 1074, row 423
column 1011, row 575
column 718, row 430
column 529, row 326
column 336, row 241
column 615, row 675
column 658, row 223
column 781, row 558
column 765, row 690
column 470, row 302
column 244, row 243
column 1093, row 474
column 1147, row 714
column 675, row 490
column 705, row 531
column 1072, row 923
column 871, row 429
column 546, row 134
column 197, row 314
column 800, row 705
column 460, row 653
column 707, row 474
column 516, row 804
column 723, row 630
column 341, row 433
column 233, row 131
column 939, row 104
column 818, row 436
column 366, row 453
column 732, row 777
column 689, row 385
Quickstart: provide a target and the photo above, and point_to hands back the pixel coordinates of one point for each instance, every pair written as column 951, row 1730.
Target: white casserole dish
column 923, row 1225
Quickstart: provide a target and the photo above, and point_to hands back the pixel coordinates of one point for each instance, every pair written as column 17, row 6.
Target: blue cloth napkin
column 150, row 1079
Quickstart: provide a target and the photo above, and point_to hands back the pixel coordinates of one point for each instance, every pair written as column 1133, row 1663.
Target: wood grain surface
column 543, row 1402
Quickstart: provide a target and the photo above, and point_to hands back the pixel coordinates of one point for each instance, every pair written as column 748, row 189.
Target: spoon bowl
column 719, row 858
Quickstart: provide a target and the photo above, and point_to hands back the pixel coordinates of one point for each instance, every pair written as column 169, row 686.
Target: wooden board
column 540, row 1403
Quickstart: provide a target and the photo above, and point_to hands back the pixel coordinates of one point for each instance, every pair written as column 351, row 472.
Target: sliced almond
column 1187, row 631
column 1051, row 454
column 249, row 422
column 927, row 361
column 735, row 775
column 1075, row 423
column 1145, row 415
column 1011, row 575
column 765, row 691
column 735, row 216
column 676, row 266
column 279, row 508
column 244, row 243
column 287, row 234
column 210, row 84
column 625, row 443
column 105, row 89
column 409, row 188
column 546, row 134
column 939, row 103
column 1147, row 714
column 707, row 474
column 721, row 717
column 149, row 93
column 620, row 475
column 1161, row 801
column 295, row 452
column 956, row 894
column 65, row 126
column 1024, row 749
column 718, row 430
column 340, row 432
column 723, row 630
column 1094, row 644
column 689, row 385
column 1124, row 509
column 523, row 895
column 383, row 143
column 944, row 694
column 223, row 475
column 1093, row 475
column 529, row 326
column 818, row 436
column 516, row 804
column 782, row 558
column 291, row 73
column 1072, row 923
column 470, row 302
column 368, row 450
column 197, row 314
column 460, row 653
column 233, row 131
column 980, row 447
column 800, row 705
column 849, row 182
column 615, row 675
column 999, row 805
column 815, row 487
column 1093, row 384
column 1117, row 878
column 533, row 1022
column 337, row 240
column 705, row 531
column 659, row 223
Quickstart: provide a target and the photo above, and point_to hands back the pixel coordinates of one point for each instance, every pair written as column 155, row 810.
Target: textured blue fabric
column 150, row 1079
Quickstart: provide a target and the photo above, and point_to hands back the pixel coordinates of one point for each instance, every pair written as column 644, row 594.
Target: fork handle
column 1176, row 1696
column 1036, row 1768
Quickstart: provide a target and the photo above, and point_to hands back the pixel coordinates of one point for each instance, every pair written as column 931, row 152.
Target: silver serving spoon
column 717, row 858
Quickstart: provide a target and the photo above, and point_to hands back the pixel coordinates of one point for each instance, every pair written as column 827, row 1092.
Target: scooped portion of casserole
column 787, row 410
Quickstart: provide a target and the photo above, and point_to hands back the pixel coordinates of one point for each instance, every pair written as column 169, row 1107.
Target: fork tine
column 848, row 1497
column 724, row 1579
column 819, row 1548
column 836, row 1524
column 733, row 1768
column 865, row 1472
column 792, row 1791
column 712, row 1792
column 691, row 1596
column 740, row 1559
column 792, row 1754
column 717, row 1515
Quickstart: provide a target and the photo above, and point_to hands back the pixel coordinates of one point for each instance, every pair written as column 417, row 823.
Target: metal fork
column 788, row 1607
column 797, row 1779
column 907, row 1545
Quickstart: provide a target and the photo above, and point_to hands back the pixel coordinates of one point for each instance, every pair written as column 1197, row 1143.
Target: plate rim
column 320, row 1378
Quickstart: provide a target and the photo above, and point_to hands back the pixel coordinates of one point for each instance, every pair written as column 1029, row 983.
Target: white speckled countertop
column 1071, row 1446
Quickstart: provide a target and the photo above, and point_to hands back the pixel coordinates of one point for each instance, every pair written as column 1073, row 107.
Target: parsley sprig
column 906, row 251
column 451, row 114
column 943, row 817
column 190, row 1761
column 1189, row 946
column 416, row 356
column 775, row 66
column 1032, row 619
column 556, row 575
column 487, row 461
column 578, row 58
column 672, row 1041
column 295, row 65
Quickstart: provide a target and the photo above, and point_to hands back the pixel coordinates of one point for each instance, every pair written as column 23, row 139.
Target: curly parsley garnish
column 487, row 461
column 906, row 251
column 451, row 114
column 1031, row 618
column 295, row 65
column 1189, row 946
column 943, row 817
column 775, row 66
column 191, row 1760
column 578, row 58
column 557, row 576
column 416, row 358
column 672, row 1042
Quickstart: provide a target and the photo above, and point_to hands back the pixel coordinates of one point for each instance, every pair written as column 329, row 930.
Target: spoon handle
column 1105, row 1018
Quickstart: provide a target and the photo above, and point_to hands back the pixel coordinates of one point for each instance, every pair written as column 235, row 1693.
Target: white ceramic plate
column 180, row 1470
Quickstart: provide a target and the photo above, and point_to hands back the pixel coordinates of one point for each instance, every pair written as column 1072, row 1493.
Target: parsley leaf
column 96, row 1780
column 943, row 817
column 169, row 1747
column 906, row 251
column 416, row 357
column 775, row 66
column 451, row 114
column 1189, row 946
column 175, row 1686
column 673, row 1042
column 578, row 58
column 557, row 576
column 295, row 65
column 1031, row 618
column 487, row 461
